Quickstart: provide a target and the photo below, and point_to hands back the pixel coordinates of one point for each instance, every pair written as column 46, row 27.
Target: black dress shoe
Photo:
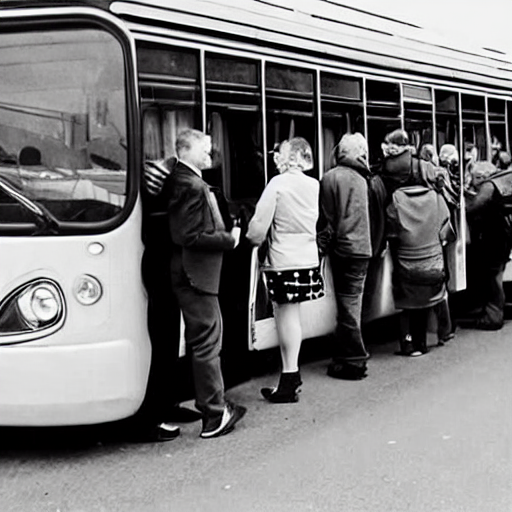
column 346, row 372
column 159, row 433
column 165, row 432
column 224, row 424
column 180, row 414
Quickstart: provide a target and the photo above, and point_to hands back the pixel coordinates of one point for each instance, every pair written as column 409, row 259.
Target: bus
column 92, row 89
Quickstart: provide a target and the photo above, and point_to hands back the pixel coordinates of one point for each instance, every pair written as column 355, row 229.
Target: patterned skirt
column 286, row 286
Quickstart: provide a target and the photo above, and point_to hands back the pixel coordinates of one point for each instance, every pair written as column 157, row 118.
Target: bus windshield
column 62, row 125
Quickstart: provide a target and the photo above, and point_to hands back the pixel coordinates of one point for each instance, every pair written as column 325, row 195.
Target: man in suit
column 154, row 420
column 199, row 237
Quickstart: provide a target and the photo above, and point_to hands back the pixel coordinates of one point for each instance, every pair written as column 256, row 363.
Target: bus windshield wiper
column 46, row 222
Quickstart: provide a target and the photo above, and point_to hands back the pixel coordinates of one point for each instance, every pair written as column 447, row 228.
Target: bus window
column 383, row 114
column 290, row 108
column 170, row 95
column 418, row 115
column 233, row 102
column 473, row 125
column 63, row 125
column 447, row 117
column 342, row 111
column 509, row 125
column 497, row 126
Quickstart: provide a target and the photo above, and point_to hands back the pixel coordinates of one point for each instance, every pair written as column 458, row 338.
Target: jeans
column 349, row 275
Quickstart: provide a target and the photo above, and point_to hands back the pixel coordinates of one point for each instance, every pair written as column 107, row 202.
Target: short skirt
column 299, row 285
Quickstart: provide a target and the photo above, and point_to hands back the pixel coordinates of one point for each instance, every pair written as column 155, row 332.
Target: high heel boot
column 286, row 391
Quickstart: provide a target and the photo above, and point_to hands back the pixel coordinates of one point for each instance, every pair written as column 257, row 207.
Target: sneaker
column 216, row 427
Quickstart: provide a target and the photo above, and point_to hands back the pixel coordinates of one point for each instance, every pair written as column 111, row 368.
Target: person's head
column 495, row 145
column 470, row 153
column 448, row 156
column 294, row 154
column 504, row 160
column 480, row 171
column 395, row 143
column 352, row 146
column 429, row 154
column 194, row 147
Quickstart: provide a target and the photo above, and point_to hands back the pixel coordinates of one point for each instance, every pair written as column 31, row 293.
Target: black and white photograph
column 254, row 256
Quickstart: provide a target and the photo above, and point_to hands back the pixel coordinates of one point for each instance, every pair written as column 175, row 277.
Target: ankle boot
column 286, row 391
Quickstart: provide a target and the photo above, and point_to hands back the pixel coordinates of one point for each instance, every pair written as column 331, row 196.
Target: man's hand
column 155, row 173
column 235, row 233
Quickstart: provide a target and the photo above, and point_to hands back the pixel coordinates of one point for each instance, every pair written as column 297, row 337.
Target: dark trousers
column 415, row 323
column 203, row 337
column 349, row 275
column 163, row 317
column 493, row 295
column 445, row 328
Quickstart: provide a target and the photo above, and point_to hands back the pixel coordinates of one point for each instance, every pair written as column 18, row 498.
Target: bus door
column 73, row 339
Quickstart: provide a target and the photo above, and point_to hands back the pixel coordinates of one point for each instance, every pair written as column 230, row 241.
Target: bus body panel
column 338, row 32
column 95, row 367
column 71, row 384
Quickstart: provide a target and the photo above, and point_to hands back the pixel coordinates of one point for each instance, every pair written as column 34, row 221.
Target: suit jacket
column 197, row 229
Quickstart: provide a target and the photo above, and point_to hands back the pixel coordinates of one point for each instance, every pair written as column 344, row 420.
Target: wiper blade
column 47, row 223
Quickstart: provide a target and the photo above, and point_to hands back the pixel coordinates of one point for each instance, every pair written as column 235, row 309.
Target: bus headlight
column 88, row 290
column 40, row 305
column 32, row 307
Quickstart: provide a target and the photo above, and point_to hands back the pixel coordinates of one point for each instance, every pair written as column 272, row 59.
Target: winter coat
column 418, row 226
column 344, row 220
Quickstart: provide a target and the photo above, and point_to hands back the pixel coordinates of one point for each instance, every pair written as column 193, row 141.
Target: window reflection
column 342, row 111
column 233, row 100
column 290, row 108
column 383, row 114
column 63, row 123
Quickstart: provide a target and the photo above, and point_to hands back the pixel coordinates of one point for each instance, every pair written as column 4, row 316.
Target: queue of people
column 412, row 202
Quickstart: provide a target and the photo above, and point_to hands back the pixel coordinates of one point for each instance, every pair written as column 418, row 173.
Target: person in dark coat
column 192, row 239
column 418, row 221
column 489, row 213
column 160, row 408
column 343, row 233
column 200, row 235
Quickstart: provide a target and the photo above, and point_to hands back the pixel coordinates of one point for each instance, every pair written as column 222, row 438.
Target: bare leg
column 289, row 332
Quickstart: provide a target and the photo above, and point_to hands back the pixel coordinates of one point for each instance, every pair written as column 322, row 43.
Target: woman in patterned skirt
column 286, row 216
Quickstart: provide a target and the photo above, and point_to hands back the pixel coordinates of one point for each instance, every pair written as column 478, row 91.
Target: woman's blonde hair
column 303, row 154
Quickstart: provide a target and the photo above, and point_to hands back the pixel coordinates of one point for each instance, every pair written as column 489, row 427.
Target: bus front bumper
column 71, row 385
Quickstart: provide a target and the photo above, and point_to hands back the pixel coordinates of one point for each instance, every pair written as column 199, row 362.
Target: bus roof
column 322, row 28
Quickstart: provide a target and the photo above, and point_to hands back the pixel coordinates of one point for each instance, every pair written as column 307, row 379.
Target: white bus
column 89, row 90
